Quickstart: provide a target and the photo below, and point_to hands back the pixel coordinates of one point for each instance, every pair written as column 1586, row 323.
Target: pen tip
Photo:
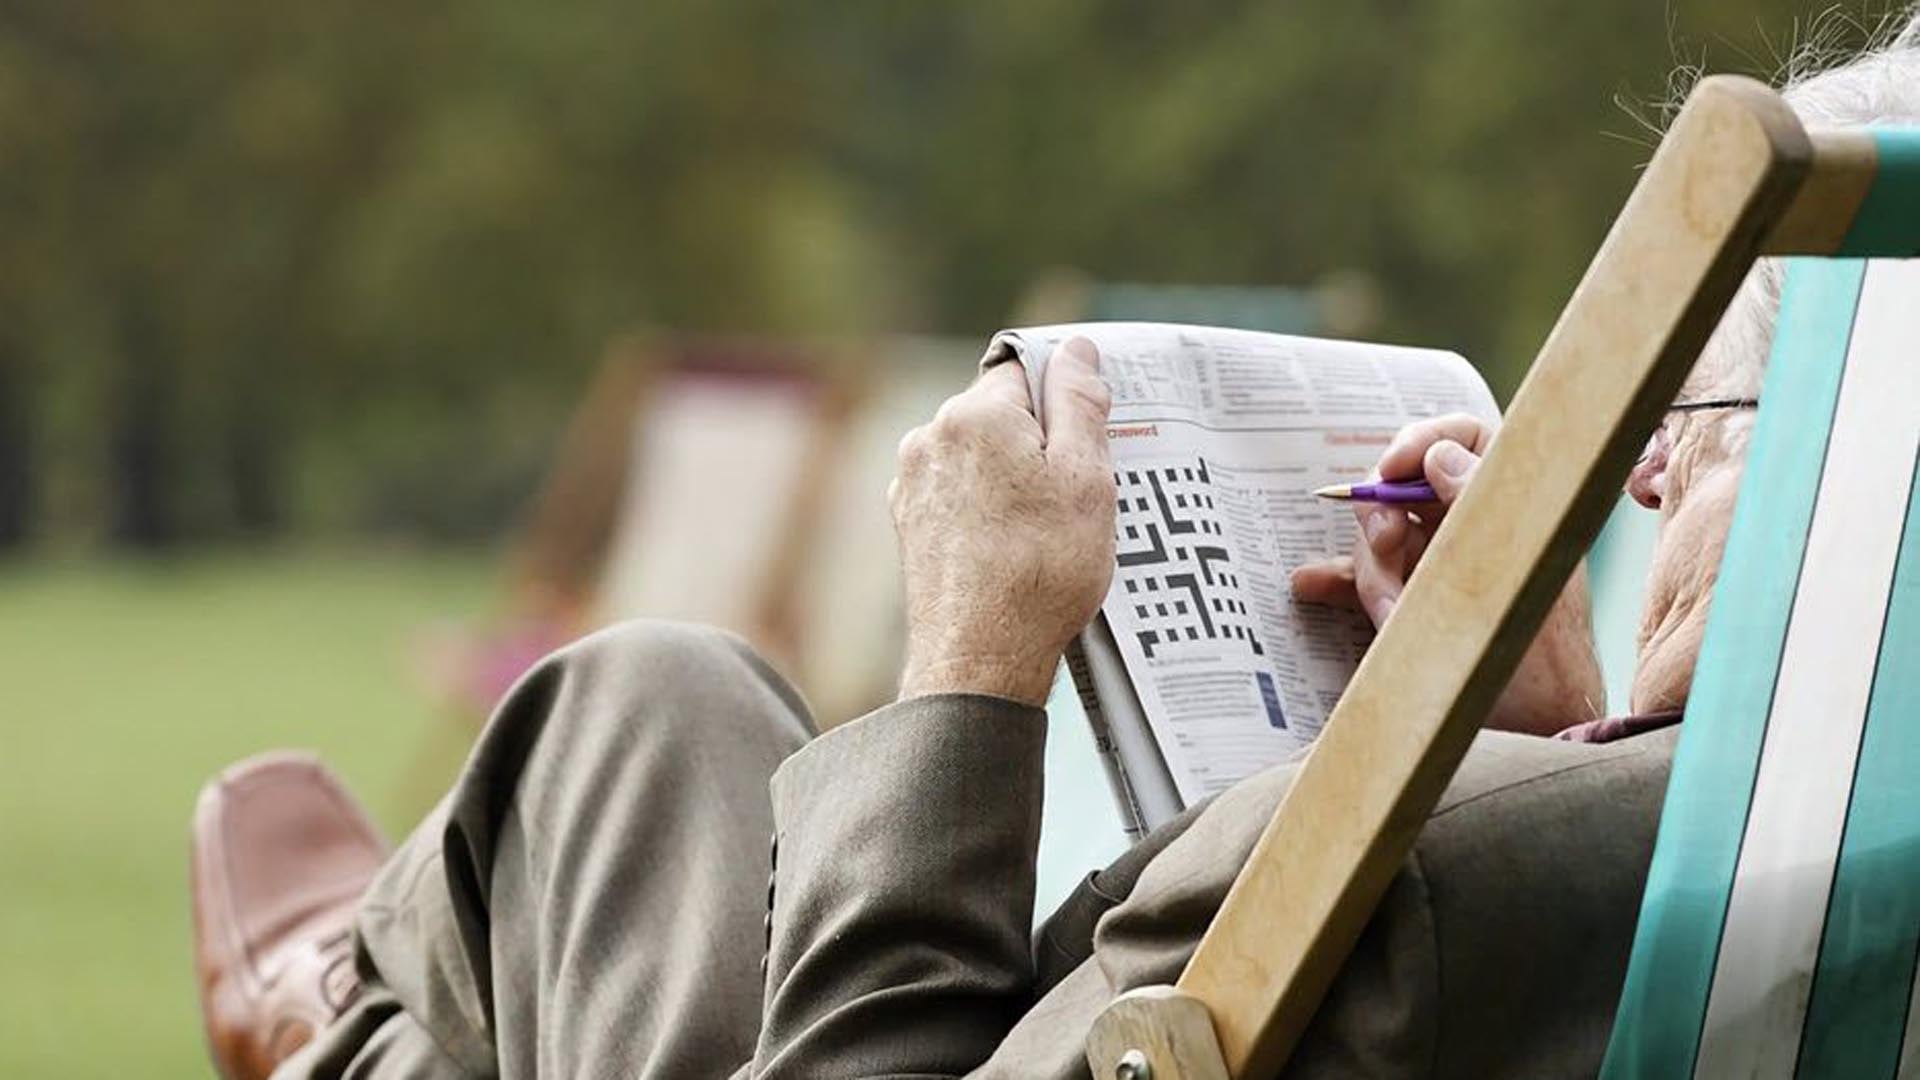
column 1335, row 491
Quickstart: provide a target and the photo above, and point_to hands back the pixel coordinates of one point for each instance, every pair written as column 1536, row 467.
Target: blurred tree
column 341, row 266
column 16, row 448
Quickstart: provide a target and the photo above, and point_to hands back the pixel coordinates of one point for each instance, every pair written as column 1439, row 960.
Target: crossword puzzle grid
column 1173, row 567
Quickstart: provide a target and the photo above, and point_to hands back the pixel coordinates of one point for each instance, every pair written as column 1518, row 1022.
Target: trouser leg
column 373, row 1040
column 589, row 899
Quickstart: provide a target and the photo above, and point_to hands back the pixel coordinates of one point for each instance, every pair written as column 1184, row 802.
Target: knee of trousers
column 655, row 681
column 601, row 758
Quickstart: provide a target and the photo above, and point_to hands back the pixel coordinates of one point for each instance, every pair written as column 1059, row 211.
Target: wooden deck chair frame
column 1736, row 177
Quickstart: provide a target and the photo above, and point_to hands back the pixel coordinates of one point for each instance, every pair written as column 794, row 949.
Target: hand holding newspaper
column 1201, row 669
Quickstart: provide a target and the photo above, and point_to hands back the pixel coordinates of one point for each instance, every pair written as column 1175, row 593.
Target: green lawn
column 122, row 688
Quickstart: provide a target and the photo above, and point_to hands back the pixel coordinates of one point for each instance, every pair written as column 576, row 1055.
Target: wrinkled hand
column 1558, row 682
column 1006, row 534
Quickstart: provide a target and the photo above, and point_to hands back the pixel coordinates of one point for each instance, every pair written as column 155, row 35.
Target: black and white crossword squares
column 1174, row 569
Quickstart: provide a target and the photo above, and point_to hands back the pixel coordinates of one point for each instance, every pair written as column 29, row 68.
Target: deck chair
column 1736, row 177
column 1781, row 919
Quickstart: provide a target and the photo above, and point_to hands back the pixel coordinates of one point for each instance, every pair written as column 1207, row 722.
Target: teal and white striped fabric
column 1780, row 930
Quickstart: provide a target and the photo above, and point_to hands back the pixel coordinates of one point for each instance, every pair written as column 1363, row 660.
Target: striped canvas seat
column 1780, row 928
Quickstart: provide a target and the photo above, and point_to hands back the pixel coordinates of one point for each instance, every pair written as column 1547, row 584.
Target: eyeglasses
column 1664, row 437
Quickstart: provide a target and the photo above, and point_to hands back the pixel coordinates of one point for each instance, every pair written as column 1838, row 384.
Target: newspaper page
column 1219, row 438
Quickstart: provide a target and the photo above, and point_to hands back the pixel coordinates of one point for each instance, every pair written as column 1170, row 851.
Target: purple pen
column 1383, row 491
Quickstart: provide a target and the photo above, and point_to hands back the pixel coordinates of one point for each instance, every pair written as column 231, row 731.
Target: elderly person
column 593, row 897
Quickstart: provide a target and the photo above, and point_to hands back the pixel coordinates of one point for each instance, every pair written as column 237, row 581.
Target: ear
column 1648, row 481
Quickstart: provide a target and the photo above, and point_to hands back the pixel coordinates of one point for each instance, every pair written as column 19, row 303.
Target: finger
column 1403, row 456
column 1005, row 383
column 1380, row 560
column 1328, row 581
column 1383, row 528
column 1378, row 582
column 1077, row 401
column 1449, row 467
column 1412, row 551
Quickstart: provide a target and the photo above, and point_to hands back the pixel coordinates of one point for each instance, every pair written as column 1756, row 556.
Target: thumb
column 1449, row 467
column 1077, row 401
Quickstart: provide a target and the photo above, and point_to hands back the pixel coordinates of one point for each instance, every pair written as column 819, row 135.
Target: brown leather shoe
column 281, row 854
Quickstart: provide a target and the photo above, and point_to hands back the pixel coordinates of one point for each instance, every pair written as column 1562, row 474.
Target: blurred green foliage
column 342, row 266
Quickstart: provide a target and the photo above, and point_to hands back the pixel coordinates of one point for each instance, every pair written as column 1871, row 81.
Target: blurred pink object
column 499, row 660
column 472, row 669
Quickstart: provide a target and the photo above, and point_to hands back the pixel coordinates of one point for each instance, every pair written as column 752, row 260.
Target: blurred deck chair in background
column 733, row 482
column 1784, row 904
column 689, row 479
column 688, row 483
column 729, row 452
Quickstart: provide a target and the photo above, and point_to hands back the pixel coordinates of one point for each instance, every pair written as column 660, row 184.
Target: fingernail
column 1083, row 352
column 1451, row 459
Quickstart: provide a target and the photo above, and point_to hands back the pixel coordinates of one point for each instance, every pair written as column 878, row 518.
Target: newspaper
column 1201, row 669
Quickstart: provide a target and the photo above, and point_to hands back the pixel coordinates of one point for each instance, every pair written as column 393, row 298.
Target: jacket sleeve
column 901, row 904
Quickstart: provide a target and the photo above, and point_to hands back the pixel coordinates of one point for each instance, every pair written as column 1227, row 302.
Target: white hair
column 1878, row 86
